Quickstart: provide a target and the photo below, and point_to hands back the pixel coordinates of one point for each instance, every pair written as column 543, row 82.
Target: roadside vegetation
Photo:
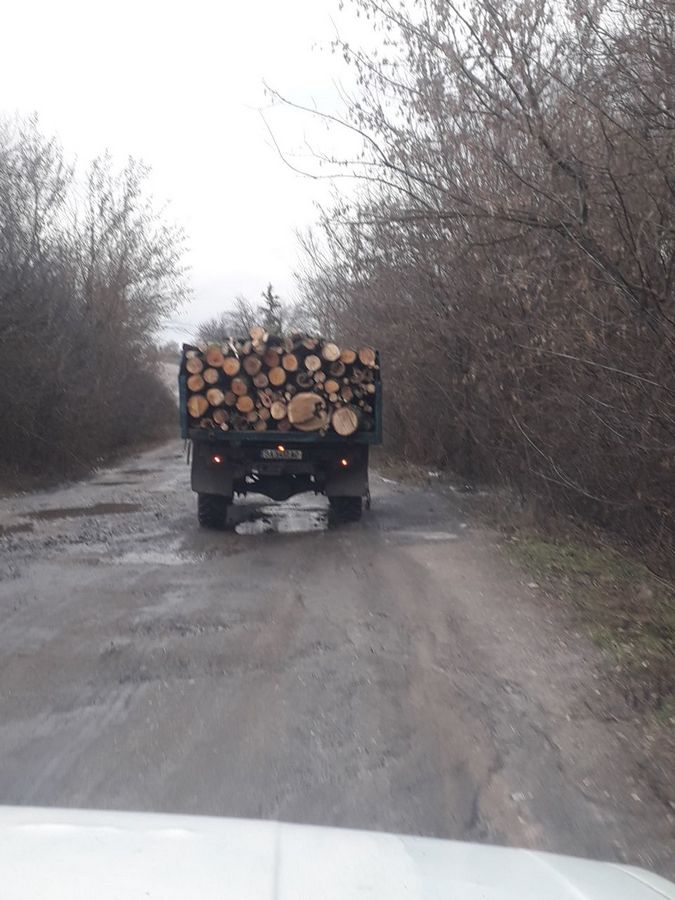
column 628, row 611
column 511, row 250
column 89, row 268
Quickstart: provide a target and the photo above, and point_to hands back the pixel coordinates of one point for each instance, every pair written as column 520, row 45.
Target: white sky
column 180, row 85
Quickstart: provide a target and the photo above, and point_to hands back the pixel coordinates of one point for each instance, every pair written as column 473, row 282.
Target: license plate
column 281, row 454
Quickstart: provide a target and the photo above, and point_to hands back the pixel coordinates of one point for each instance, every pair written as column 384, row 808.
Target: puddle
column 73, row 512
column 16, row 529
column 156, row 558
column 285, row 519
column 112, row 483
column 139, row 471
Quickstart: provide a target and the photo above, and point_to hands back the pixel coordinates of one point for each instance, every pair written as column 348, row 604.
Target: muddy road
column 392, row 674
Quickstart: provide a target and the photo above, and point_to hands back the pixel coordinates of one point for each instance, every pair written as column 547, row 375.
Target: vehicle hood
column 58, row 853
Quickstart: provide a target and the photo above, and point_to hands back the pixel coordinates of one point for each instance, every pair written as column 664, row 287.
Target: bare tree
column 88, row 269
column 517, row 216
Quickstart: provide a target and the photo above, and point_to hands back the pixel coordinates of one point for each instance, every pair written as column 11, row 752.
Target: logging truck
column 279, row 416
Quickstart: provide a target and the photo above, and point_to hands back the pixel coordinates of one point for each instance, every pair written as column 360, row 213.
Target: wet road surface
column 392, row 674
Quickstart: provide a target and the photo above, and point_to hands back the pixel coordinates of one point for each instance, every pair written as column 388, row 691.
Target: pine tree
column 271, row 311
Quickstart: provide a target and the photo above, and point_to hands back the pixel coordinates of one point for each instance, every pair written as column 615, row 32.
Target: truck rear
column 279, row 416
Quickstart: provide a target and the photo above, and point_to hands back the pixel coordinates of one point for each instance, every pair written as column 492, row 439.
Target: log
column 345, row 420
column 271, row 358
column 197, row 405
column 297, row 381
column 245, row 403
column 231, row 365
column 215, row 396
column 277, row 376
column 278, row 410
column 195, row 383
column 239, row 387
column 214, row 357
column 319, row 422
column 304, row 380
column 307, row 412
column 252, row 364
column 367, row 357
column 330, row 352
column 194, row 365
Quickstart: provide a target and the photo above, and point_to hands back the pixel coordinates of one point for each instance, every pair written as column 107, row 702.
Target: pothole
column 74, row 512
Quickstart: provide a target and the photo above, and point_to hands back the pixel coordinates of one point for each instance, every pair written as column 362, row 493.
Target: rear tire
column 212, row 510
column 346, row 509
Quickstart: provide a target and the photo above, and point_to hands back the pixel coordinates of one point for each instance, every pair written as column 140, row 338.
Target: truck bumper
column 335, row 470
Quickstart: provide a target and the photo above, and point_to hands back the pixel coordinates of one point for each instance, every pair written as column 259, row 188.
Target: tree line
column 89, row 267
column 512, row 248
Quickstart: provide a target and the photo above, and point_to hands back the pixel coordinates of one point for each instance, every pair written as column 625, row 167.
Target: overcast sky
column 180, row 85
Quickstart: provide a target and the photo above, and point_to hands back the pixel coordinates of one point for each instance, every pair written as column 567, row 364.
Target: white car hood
column 88, row 855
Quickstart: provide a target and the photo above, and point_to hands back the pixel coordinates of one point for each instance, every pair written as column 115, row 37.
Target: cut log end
column 345, row 421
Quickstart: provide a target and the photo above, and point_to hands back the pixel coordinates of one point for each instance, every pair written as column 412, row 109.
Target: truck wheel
column 346, row 509
column 212, row 510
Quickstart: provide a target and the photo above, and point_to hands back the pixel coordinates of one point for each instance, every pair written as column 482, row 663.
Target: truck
column 237, row 448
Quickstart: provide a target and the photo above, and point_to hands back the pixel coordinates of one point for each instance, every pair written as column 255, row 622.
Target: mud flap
column 351, row 481
column 209, row 477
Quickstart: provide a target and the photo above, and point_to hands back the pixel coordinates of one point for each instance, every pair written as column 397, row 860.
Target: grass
column 628, row 612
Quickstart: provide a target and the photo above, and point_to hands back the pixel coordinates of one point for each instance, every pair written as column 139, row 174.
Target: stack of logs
column 273, row 383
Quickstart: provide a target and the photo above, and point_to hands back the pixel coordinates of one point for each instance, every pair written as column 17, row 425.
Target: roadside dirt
column 397, row 674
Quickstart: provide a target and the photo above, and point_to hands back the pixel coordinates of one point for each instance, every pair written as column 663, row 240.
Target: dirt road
column 393, row 674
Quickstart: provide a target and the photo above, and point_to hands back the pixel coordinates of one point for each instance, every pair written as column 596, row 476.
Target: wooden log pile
column 272, row 383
